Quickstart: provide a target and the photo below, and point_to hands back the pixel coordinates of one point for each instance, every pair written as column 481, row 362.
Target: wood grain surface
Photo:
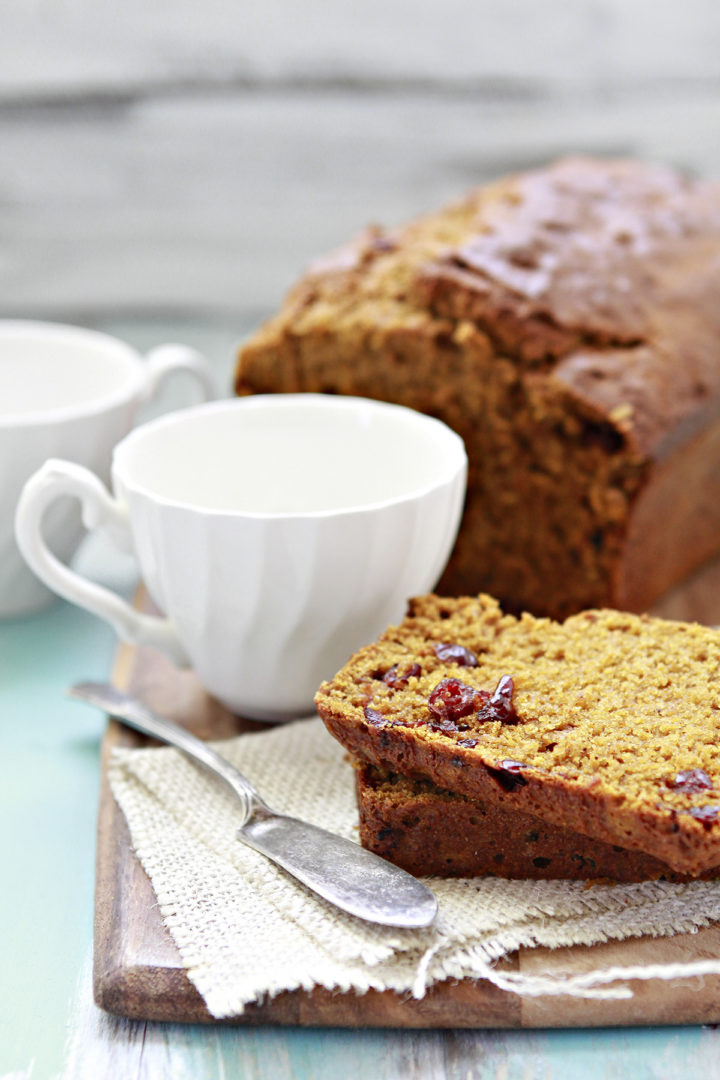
column 137, row 969
column 193, row 161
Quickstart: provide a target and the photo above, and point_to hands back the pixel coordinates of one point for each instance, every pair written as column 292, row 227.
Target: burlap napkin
column 245, row 929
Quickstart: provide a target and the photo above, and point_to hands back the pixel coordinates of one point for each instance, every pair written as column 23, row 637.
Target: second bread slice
column 429, row 831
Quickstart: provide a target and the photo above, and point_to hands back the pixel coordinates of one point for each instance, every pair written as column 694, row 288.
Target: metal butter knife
column 355, row 880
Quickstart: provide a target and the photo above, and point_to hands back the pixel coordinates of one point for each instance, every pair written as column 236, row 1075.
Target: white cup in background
column 72, row 393
column 278, row 533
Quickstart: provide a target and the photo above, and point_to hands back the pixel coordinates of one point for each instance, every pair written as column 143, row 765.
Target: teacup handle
column 167, row 359
column 99, row 511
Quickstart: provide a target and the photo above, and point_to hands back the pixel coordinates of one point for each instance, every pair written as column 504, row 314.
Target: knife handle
column 138, row 716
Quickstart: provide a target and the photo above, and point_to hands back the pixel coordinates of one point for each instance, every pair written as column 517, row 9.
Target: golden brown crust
column 565, row 323
column 429, row 831
column 611, row 709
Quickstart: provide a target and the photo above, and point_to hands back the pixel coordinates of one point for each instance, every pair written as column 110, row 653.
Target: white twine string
column 587, row 984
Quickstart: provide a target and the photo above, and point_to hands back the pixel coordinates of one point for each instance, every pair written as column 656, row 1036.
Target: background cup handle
column 99, row 511
column 167, row 359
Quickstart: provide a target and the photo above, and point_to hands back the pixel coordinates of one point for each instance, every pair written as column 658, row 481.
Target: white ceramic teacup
column 66, row 392
column 278, row 533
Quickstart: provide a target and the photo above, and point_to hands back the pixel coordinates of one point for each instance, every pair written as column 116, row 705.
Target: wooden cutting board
column 137, row 970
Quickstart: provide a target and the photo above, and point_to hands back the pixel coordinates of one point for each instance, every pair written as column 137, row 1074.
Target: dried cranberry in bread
column 565, row 323
column 430, row 831
column 607, row 724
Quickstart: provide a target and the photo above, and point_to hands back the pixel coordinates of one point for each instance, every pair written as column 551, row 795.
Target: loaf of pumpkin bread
column 565, row 323
column 606, row 724
column 430, row 831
